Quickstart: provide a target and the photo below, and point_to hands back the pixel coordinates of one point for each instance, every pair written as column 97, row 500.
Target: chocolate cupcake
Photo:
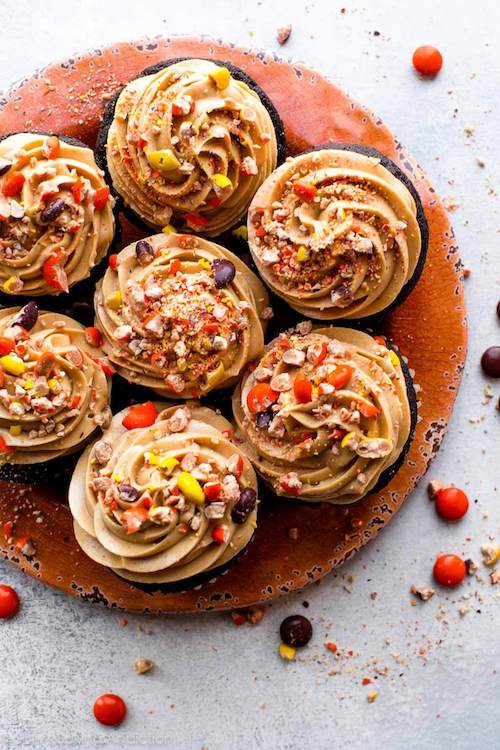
column 326, row 414
column 338, row 233
column 188, row 143
column 181, row 315
column 56, row 214
column 54, row 391
column 164, row 496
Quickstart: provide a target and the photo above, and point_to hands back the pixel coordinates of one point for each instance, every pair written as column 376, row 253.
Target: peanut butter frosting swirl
column 335, row 234
column 53, row 390
column 181, row 314
column 56, row 217
column 190, row 145
column 324, row 414
column 164, row 495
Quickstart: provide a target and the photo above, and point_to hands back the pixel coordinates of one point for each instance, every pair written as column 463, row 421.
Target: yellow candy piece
column 346, row 439
column 114, row 301
column 167, row 462
column 164, row 160
column 394, row 358
column 7, row 284
column 53, row 384
column 116, row 478
column 286, row 652
column 302, row 254
column 203, row 262
column 12, row 365
column 169, row 229
column 15, row 429
column 222, row 181
column 372, row 696
column 28, row 384
column 241, row 232
column 190, row 488
column 221, row 77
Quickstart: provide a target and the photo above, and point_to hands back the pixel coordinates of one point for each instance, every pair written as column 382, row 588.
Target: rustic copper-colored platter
column 430, row 329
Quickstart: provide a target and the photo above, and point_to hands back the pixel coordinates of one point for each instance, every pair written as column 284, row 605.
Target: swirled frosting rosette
column 56, row 217
column 180, row 314
column 324, row 414
column 190, row 144
column 54, row 391
column 335, row 234
column 164, row 495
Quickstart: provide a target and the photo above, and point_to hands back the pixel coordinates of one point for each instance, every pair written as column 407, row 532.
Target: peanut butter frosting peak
column 335, row 234
column 53, row 389
column 190, row 145
column 323, row 414
column 164, row 495
column 181, row 314
column 56, row 217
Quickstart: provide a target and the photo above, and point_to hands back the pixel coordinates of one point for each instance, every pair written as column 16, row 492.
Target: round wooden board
column 68, row 98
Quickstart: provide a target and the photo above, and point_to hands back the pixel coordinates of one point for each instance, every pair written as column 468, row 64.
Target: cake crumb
column 283, row 33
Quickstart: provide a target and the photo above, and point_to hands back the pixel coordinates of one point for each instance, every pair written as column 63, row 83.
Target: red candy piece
column 449, row 570
column 260, row 397
column 142, row 415
column 101, row 197
column 451, row 503
column 93, row 336
column 427, row 60
column 53, row 272
column 12, row 184
column 110, row 709
column 302, row 388
column 305, row 191
column 9, row 602
column 341, row 376
column 6, row 345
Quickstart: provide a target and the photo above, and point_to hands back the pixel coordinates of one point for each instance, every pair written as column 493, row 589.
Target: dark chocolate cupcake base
column 179, row 587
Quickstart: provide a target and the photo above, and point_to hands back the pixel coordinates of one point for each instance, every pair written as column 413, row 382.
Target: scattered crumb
column 490, row 555
column 480, row 162
column 372, row 696
column 495, row 577
column 283, row 33
column 423, row 593
column 433, row 488
column 470, row 567
column 142, row 666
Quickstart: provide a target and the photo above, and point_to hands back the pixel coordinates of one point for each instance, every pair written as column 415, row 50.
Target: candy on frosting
column 53, row 390
column 56, row 218
column 190, row 144
column 335, row 234
column 180, row 314
column 166, row 502
column 323, row 414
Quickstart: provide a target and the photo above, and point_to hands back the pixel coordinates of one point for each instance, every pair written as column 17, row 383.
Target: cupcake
column 338, row 233
column 164, row 496
column 56, row 217
column 181, row 315
column 326, row 415
column 188, row 143
column 54, row 391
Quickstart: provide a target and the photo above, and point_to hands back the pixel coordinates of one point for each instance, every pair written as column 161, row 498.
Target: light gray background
column 230, row 689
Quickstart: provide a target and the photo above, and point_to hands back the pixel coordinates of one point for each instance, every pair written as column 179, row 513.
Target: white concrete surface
column 224, row 688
